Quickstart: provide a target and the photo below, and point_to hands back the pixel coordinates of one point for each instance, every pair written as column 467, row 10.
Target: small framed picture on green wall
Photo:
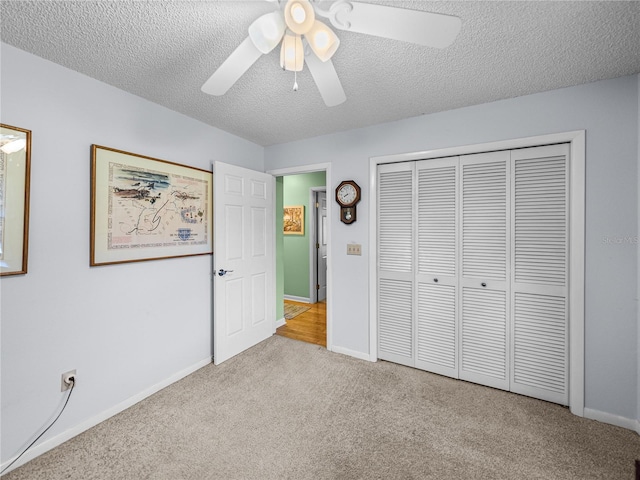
column 293, row 220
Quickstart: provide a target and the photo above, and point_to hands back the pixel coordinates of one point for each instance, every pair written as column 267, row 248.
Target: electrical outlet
column 65, row 381
column 354, row 249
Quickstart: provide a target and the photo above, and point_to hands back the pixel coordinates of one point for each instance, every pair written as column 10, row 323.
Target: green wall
column 296, row 191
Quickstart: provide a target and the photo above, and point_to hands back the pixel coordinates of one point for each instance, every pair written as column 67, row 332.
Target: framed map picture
column 293, row 223
column 15, row 164
column 143, row 208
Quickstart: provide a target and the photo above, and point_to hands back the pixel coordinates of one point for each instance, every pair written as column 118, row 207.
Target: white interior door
column 244, row 295
column 437, row 266
column 485, row 269
column 321, row 242
column 476, row 259
column 395, row 263
column 540, row 334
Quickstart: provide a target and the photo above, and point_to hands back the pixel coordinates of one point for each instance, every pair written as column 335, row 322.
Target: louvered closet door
column 539, row 311
column 437, row 260
column 484, row 305
column 395, row 263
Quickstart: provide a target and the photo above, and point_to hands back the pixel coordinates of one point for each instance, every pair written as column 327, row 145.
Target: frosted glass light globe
column 297, row 13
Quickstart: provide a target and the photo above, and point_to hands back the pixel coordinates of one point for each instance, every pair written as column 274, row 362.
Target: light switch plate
column 354, row 249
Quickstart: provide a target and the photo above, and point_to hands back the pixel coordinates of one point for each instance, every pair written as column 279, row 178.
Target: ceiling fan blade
column 232, row 68
column 326, row 78
column 413, row 26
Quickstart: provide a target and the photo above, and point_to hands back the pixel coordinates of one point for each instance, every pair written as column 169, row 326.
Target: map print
column 149, row 209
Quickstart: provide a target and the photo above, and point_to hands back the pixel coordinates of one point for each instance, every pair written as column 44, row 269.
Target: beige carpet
column 291, row 410
column 291, row 310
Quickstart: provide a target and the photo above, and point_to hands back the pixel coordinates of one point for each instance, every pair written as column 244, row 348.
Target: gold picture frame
column 15, row 174
column 143, row 208
column 293, row 223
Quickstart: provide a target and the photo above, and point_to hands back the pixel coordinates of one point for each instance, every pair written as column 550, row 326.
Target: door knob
column 483, row 284
column 435, row 280
column 222, row 272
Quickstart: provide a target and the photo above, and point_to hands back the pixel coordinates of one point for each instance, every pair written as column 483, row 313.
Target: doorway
column 318, row 314
column 310, row 325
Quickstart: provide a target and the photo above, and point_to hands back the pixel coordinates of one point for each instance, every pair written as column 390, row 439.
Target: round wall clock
column 347, row 195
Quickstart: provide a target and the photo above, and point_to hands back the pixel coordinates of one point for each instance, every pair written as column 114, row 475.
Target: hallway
column 309, row 326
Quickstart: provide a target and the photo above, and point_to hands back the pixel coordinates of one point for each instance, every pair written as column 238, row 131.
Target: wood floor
column 309, row 326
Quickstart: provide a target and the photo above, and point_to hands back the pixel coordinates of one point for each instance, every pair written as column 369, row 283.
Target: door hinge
column 317, row 287
column 317, row 205
column 317, row 245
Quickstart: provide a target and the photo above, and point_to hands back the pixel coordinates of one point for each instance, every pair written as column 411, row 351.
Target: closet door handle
column 435, row 280
column 483, row 284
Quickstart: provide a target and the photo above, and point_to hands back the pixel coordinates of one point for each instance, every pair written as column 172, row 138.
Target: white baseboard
column 101, row 417
column 353, row 353
column 281, row 322
column 612, row 419
column 293, row 298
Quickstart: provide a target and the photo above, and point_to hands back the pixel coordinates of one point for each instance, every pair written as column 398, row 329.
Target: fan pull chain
column 295, row 67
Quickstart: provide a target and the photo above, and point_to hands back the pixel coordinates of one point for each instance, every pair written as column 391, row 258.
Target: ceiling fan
column 305, row 39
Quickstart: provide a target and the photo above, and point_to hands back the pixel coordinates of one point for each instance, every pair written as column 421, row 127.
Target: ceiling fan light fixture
column 299, row 16
column 267, row 31
column 322, row 40
column 296, row 19
column 292, row 53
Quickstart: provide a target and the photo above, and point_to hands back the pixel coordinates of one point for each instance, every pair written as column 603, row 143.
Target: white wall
column 608, row 110
column 125, row 328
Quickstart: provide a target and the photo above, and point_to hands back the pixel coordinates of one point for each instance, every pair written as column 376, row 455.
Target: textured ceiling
column 165, row 50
